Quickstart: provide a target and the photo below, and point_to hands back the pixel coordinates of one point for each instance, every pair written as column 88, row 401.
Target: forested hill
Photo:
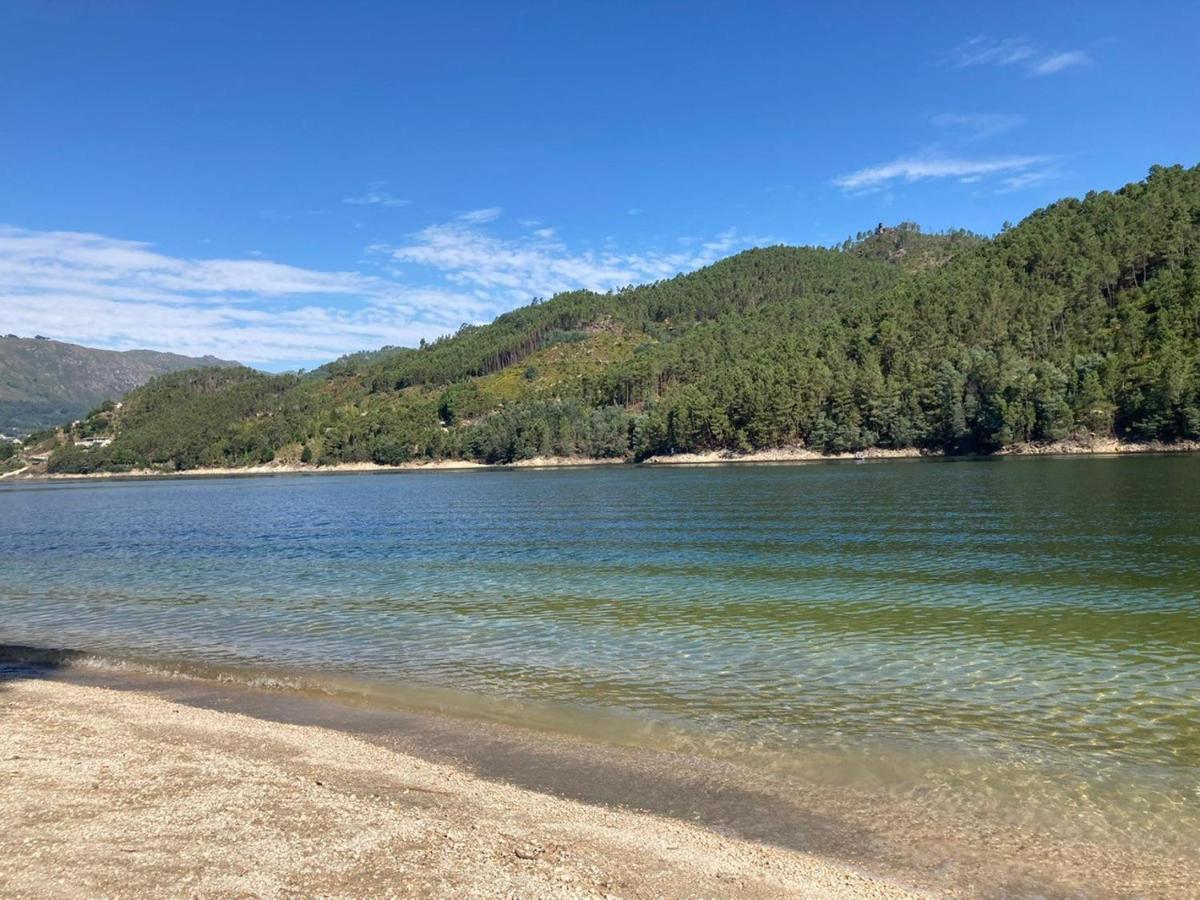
column 910, row 248
column 1084, row 318
column 45, row 382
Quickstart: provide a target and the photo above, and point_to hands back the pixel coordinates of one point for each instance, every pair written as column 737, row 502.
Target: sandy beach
column 439, row 465
column 779, row 455
column 1095, row 447
column 117, row 782
column 116, row 793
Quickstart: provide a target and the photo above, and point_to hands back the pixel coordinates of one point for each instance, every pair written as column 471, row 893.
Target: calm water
column 1019, row 636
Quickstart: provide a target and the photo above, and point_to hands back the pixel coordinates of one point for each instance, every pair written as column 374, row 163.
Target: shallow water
column 1019, row 638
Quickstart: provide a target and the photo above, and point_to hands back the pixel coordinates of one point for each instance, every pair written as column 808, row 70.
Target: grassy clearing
column 557, row 370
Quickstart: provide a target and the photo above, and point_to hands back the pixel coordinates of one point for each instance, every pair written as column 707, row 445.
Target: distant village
column 27, row 455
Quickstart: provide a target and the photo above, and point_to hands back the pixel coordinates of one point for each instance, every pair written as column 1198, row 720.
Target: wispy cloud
column 919, row 169
column 115, row 293
column 1018, row 52
column 479, row 216
column 375, row 195
column 1060, row 61
column 1022, row 180
column 982, row 51
column 510, row 270
column 109, row 292
column 977, row 126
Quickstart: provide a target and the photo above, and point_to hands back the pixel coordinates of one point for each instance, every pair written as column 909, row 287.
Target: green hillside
column 908, row 247
column 44, row 382
column 1083, row 318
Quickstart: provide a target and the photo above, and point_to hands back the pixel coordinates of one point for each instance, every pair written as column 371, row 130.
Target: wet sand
column 123, row 783
column 117, row 793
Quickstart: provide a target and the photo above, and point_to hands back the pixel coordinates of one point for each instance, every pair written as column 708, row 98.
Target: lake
column 1015, row 637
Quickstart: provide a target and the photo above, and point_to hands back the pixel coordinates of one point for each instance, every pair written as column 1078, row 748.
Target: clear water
column 1019, row 637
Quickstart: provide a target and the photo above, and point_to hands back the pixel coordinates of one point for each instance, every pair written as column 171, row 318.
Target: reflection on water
column 1018, row 633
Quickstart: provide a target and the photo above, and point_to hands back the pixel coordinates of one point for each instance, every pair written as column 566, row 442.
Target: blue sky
column 281, row 183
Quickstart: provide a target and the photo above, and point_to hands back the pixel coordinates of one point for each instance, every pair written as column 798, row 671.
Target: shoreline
column 754, row 828
column 439, row 465
column 1094, row 447
column 780, row 455
column 122, row 793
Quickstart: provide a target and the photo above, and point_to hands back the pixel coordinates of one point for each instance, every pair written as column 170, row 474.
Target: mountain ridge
column 1083, row 320
column 45, row 382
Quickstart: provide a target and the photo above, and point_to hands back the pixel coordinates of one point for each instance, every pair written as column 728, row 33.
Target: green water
column 1015, row 637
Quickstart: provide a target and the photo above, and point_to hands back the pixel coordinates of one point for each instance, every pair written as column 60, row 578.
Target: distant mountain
column 44, row 382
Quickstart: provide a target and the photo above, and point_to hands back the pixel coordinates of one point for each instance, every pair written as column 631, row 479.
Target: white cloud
column 107, row 292
column 479, row 216
column 1060, row 61
column 977, row 126
column 375, row 195
column 1034, row 60
column 918, row 169
column 1022, row 180
column 982, row 51
column 102, row 291
column 510, row 270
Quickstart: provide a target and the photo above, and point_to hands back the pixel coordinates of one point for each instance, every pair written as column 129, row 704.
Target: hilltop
column 1082, row 320
column 45, row 382
column 908, row 247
